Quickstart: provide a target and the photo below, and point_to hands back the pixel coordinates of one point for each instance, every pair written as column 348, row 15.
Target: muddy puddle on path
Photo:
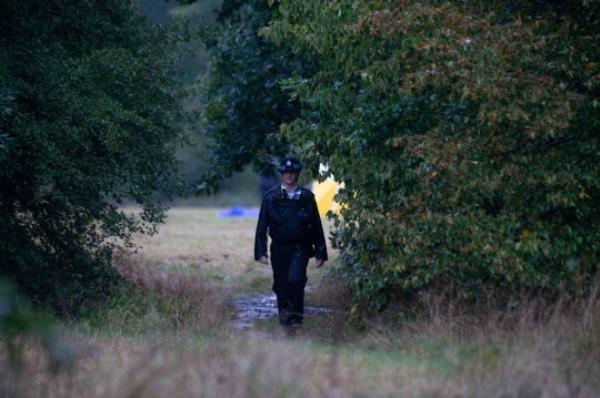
column 262, row 306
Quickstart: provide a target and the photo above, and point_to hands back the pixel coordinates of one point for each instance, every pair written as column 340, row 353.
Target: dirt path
column 250, row 308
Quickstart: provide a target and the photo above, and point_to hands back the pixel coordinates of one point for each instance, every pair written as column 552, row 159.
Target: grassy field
column 172, row 335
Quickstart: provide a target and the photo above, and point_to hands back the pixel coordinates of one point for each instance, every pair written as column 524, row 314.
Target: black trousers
column 289, row 262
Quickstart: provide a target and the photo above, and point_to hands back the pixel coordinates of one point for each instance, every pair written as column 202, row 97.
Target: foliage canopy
column 244, row 102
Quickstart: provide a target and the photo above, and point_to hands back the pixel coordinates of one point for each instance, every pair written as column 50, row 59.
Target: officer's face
column 289, row 177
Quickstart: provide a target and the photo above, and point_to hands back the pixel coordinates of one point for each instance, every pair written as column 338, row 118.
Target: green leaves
column 244, row 102
column 465, row 135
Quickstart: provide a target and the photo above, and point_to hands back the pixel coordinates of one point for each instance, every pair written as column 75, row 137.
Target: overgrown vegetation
column 466, row 134
column 171, row 335
column 89, row 117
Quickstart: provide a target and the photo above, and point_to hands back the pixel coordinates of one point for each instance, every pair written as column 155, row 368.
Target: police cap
column 289, row 163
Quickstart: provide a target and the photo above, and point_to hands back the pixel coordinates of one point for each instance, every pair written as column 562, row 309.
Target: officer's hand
column 319, row 262
column 264, row 260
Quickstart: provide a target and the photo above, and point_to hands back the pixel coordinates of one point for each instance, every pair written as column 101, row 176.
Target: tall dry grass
column 188, row 303
column 534, row 350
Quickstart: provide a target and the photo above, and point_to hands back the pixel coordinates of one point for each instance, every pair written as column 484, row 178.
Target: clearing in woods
column 219, row 251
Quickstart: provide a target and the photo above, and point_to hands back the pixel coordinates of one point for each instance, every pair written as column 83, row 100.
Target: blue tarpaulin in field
column 239, row 211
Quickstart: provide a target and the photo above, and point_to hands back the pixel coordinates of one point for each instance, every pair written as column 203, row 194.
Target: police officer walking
column 290, row 215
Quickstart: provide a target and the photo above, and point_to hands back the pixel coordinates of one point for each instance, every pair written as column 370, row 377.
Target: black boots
column 289, row 262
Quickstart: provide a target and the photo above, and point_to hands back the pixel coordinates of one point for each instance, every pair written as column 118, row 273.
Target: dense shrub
column 467, row 136
column 89, row 106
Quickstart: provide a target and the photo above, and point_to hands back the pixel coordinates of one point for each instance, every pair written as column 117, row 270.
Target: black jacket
column 289, row 221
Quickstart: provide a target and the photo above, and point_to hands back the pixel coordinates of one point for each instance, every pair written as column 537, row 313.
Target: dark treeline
column 90, row 115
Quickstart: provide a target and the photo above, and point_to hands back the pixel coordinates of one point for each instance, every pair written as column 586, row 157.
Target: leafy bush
column 467, row 136
column 89, row 113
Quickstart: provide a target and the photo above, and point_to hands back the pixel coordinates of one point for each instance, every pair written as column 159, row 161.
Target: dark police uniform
column 296, row 232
